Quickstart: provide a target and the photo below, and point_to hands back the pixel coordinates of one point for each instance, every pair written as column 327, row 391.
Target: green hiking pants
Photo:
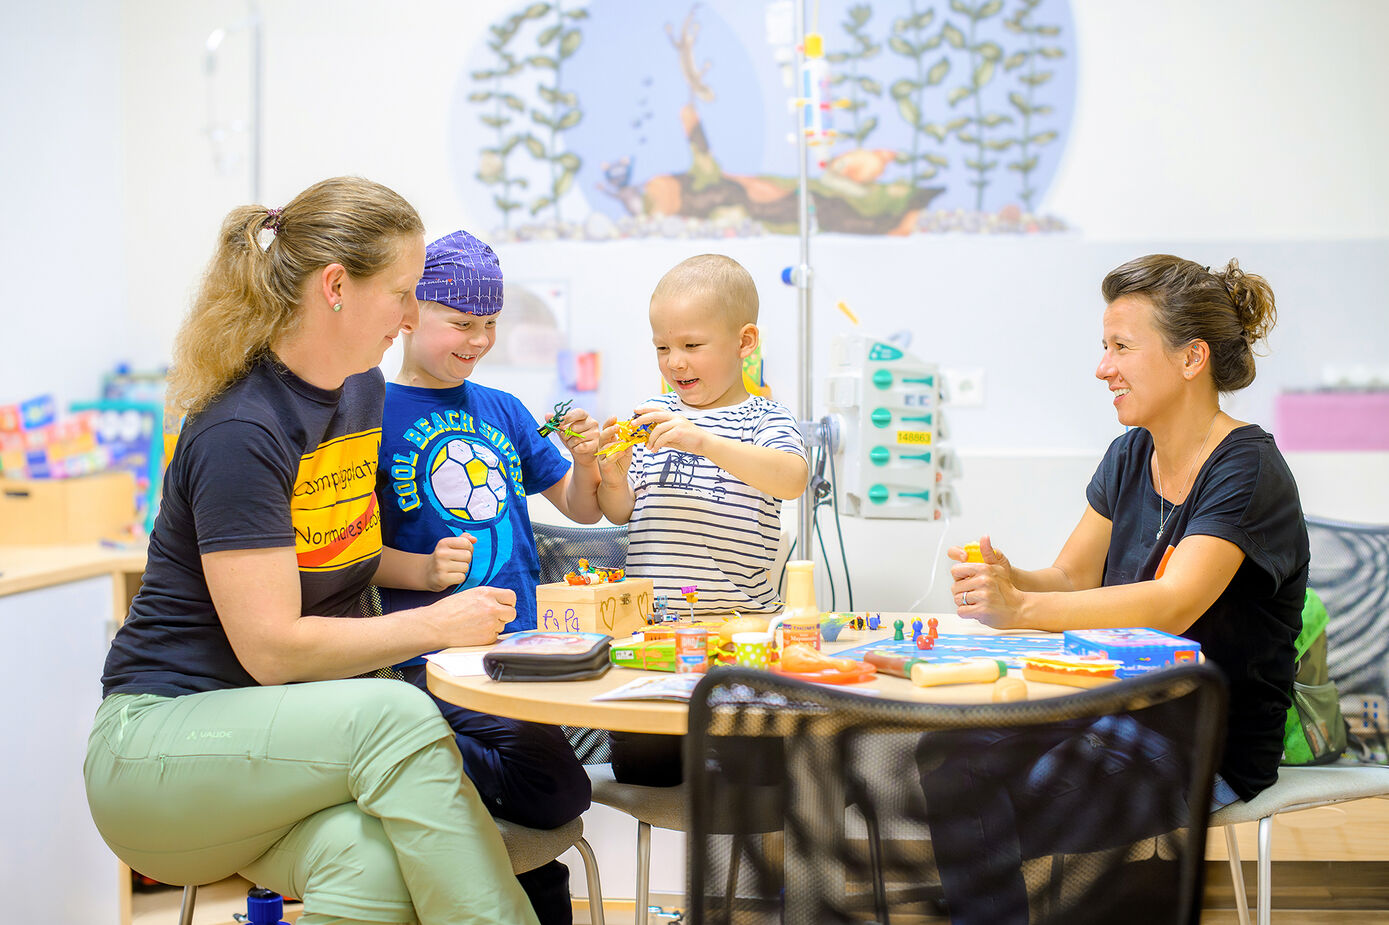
column 347, row 794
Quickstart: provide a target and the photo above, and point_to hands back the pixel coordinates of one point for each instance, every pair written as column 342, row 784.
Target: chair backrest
column 1350, row 571
column 561, row 547
column 810, row 805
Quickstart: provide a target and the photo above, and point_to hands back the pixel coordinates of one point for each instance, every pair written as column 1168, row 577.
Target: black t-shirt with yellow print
column 274, row 461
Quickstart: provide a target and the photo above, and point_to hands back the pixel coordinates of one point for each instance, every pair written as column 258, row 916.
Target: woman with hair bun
column 208, row 757
column 1193, row 523
column 1193, row 526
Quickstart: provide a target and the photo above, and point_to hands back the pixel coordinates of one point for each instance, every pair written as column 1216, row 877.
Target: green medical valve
column 880, row 417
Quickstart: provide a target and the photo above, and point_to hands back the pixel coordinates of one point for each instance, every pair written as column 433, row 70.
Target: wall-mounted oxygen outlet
column 964, row 386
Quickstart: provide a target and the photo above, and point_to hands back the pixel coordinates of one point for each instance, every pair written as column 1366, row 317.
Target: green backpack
column 1315, row 732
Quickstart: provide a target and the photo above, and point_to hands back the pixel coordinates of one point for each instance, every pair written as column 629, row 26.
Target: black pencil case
column 536, row 655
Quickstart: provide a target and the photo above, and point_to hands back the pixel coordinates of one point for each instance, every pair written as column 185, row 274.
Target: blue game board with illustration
column 952, row 647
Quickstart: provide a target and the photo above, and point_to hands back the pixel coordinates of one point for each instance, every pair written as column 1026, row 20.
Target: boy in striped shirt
column 703, row 497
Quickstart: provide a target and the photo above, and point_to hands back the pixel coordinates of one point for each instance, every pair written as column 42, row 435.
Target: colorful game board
column 953, row 648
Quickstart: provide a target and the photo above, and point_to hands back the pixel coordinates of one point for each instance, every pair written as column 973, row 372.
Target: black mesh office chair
column 560, row 547
column 1089, row 808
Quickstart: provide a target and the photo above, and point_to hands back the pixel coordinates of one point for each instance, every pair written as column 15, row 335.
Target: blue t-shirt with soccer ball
column 462, row 460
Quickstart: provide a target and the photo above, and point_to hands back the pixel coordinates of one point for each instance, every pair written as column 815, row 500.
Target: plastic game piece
column 691, row 593
column 875, row 621
column 968, row 671
column 887, row 663
column 916, row 627
column 1006, row 690
column 932, row 627
column 1070, row 670
column 973, row 553
column 925, row 643
column 897, row 631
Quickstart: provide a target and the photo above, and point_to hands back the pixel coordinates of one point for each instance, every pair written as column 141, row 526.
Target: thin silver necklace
column 1162, row 520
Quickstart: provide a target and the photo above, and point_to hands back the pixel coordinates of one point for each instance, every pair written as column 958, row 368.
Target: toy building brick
column 617, row 608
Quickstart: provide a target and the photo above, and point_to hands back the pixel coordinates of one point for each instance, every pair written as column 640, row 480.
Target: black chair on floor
column 1089, row 808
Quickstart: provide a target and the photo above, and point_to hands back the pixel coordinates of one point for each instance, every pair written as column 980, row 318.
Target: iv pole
column 801, row 277
column 216, row 132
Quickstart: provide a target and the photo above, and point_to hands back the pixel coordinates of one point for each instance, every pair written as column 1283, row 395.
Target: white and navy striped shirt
column 695, row 524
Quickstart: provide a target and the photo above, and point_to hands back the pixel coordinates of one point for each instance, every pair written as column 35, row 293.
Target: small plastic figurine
column 660, row 612
column 627, row 436
column 897, row 630
column 555, row 422
column 931, row 627
column 586, row 574
column 916, row 628
column 875, row 621
column 691, row 593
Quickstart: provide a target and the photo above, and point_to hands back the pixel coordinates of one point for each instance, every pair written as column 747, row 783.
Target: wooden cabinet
column 58, row 609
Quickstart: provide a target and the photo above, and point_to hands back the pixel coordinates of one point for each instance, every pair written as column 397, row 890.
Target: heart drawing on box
column 644, row 603
column 607, row 612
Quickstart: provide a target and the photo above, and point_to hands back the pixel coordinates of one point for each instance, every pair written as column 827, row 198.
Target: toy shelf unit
column 889, row 407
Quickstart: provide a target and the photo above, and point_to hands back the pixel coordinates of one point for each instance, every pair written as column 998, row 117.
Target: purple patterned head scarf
column 463, row 273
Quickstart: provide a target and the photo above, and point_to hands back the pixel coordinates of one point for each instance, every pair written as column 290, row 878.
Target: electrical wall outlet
column 964, row 386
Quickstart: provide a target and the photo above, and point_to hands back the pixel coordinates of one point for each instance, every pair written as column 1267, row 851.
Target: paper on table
column 459, row 664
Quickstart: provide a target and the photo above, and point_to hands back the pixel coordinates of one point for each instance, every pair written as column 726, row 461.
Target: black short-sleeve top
column 273, row 461
column 1243, row 493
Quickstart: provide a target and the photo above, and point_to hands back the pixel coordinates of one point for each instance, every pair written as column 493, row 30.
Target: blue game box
column 1138, row 650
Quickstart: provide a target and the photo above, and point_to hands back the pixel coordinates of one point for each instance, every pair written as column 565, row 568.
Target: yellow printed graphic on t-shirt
column 336, row 520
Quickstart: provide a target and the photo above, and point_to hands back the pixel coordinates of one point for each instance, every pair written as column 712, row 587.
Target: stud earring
column 337, row 306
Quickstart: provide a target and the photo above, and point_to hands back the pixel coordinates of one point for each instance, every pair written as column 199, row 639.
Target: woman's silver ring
column 964, row 599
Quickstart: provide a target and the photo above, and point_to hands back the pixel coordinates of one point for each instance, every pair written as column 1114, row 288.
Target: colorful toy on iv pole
column 816, row 122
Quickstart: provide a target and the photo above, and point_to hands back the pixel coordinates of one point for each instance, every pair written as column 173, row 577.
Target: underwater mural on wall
column 612, row 119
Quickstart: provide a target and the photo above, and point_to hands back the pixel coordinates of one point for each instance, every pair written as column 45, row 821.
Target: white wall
column 63, row 289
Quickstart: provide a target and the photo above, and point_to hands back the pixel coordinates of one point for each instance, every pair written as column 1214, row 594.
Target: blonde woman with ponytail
column 208, row 755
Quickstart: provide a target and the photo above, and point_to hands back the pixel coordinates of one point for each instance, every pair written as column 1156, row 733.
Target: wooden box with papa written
column 617, row 608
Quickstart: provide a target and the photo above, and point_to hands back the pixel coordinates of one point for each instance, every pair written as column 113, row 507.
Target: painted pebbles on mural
column 613, row 119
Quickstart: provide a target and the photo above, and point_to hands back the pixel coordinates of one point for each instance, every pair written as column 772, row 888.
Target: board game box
column 1139, row 650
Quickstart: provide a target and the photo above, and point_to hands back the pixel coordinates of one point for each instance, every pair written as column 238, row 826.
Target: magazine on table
column 666, row 687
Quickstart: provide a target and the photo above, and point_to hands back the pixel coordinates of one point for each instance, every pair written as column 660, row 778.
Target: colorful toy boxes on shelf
column 1138, row 650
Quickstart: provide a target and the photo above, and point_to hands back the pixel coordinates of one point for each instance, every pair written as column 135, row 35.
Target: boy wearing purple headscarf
column 457, row 461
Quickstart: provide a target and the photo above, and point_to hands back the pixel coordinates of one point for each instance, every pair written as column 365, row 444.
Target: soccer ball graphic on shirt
column 468, row 481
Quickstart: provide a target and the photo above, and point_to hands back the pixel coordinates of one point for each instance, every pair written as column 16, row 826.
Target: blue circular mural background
column 629, row 87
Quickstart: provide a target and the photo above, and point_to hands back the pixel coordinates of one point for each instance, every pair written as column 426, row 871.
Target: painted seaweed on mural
column 607, row 119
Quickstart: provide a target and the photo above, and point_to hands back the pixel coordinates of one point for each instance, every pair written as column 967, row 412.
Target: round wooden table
column 571, row 702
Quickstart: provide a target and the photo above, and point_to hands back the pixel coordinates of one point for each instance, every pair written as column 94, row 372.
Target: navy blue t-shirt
column 273, row 461
column 1244, row 493
column 462, row 460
